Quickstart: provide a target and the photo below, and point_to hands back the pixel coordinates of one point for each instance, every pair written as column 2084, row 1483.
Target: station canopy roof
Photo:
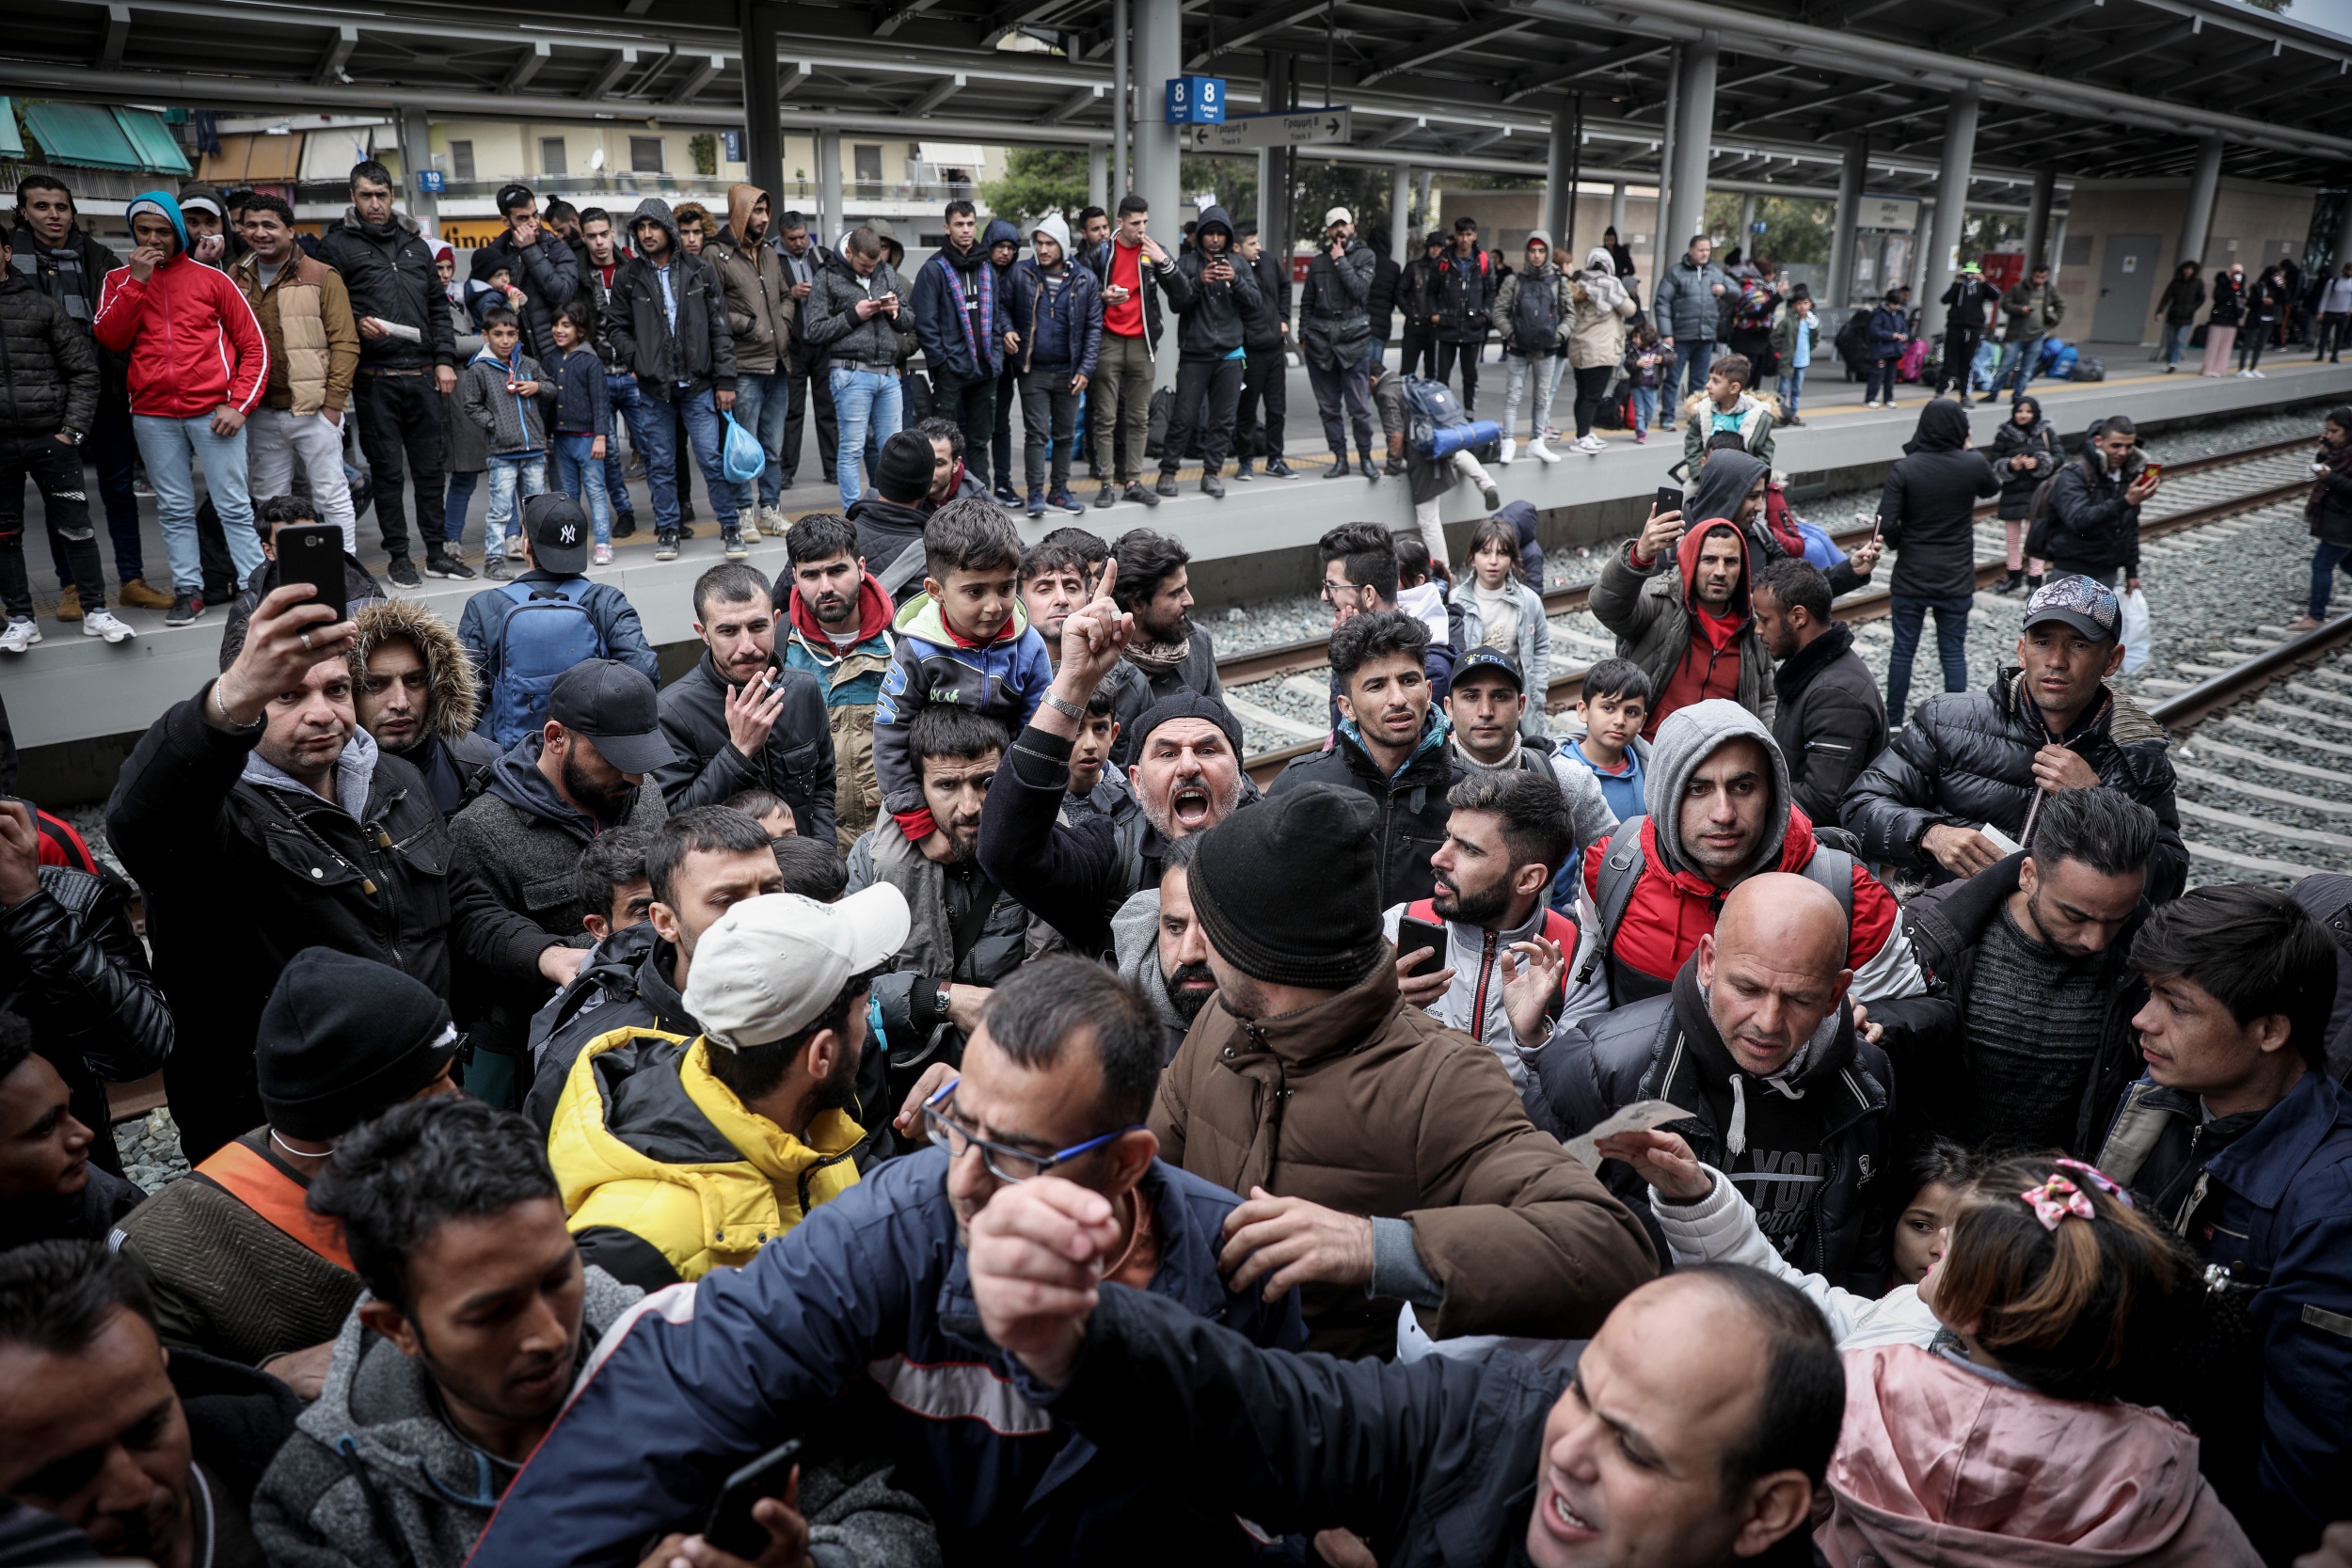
column 2095, row 88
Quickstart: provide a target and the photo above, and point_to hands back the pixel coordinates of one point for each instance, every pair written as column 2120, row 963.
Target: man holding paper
column 1781, row 1087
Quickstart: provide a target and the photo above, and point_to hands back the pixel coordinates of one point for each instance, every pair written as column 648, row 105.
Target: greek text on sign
column 1300, row 128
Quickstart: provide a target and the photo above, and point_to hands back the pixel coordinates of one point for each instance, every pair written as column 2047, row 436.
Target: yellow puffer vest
column 699, row 1213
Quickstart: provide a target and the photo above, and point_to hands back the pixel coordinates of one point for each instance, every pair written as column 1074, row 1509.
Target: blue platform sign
column 429, row 181
column 1196, row 100
column 731, row 146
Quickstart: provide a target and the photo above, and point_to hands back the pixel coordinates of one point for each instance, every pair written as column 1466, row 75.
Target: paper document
column 2001, row 841
column 1640, row 1117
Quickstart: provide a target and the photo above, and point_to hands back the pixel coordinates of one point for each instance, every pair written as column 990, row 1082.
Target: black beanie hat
column 904, row 473
column 1289, row 891
column 344, row 1039
column 1185, row 704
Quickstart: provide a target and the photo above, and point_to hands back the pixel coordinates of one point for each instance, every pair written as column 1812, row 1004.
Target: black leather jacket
column 797, row 763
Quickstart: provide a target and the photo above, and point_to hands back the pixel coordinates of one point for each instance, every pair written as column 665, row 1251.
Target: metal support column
column 1952, row 205
column 1851, row 170
column 763, row 132
column 1918, row 277
column 1746, row 241
column 2197, row 223
column 1123, row 105
column 2038, row 246
column 829, row 187
column 1400, row 212
column 1617, row 210
column 1559, row 174
column 2344, row 239
column 2057, row 255
column 1662, row 251
column 1159, row 56
column 416, row 152
column 1694, row 139
column 1099, row 176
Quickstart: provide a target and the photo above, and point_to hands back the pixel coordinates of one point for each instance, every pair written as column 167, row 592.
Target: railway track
column 1566, row 683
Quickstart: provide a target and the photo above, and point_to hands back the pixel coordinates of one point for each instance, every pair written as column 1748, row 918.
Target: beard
column 1470, row 908
column 605, row 801
column 1187, row 791
column 1186, row 994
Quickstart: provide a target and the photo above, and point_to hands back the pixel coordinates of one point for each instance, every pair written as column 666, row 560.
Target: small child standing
column 1727, row 406
column 501, row 392
column 1795, row 336
column 1649, row 365
column 1937, row 1174
column 583, row 425
column 963, row 639
column 1614, row 707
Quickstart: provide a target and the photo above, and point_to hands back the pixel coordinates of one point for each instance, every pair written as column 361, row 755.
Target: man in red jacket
column 197, row 366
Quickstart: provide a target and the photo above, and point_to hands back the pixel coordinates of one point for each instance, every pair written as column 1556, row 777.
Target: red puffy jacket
column 192, row 338
column 1670, row 909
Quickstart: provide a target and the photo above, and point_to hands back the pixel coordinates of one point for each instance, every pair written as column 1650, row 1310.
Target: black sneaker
column 401, row 571
column 624, row 524
column 1278, row 469
column 665, row 547
column 1371, row 469
column 1107, row 496
column 1037, row 503
column 683, row 530
column 185, row 607
column 442, row 564
column 1211, row 485
column 1135, row 492
column 1004, row 496
column 685, row 514
column 1166, row 487
column 733, row 539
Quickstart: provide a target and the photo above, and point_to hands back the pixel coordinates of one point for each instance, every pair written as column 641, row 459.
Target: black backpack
column 1535, row 316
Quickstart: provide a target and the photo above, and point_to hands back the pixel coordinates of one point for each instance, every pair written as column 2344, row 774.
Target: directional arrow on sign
column 1300, row 128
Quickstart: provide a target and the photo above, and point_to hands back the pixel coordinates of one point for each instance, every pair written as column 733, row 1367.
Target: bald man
column 1659, row 1447
column 1755, row 1038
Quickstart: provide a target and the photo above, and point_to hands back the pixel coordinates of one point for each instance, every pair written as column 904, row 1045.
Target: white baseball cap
column 770, row 966
column 1337, row 214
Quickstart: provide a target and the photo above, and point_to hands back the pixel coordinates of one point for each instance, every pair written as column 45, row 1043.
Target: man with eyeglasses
column 872, row 1292
column 413, row 689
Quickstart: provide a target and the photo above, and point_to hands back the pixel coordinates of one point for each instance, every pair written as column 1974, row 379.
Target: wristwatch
column 1064, row 706
column 939, row 1001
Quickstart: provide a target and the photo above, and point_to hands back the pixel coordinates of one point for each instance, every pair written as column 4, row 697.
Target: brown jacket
column 759, row 300
column 1366, row 1105
column 313, row 338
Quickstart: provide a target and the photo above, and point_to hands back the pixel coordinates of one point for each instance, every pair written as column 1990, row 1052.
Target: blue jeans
column 2176, row 341
column 1645, row 408
column 761, row 402
column 171, row 448
column 2325, row 561
column 581, row 476
column 1951, row 646
column 657, row 433
column 455, row 507
column 622, row 389
column 1792, row 389
column 860, row 398
column 2019, row 359
column 1697, row 358
column 528, row 474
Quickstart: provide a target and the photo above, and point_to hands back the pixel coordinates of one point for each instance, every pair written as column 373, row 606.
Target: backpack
column 1757, row 307
column 546, row 630
column 1558, row 928
column 1535, row 317
column 1621, row 868
column 1915, row 359
column 2040, row 514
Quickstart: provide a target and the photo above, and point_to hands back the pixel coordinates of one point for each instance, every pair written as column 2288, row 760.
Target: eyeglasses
column 1333, row 589
column 1005, row 1162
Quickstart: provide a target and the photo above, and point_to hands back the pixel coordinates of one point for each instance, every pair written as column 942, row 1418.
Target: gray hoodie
column 1688, row 738
column 1136, row 936
column 374, row 1476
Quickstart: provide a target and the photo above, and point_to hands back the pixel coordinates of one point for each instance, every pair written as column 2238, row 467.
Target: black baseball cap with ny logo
column 558, row 530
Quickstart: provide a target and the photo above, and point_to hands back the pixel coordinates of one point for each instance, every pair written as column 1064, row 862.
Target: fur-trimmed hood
column 454, row 708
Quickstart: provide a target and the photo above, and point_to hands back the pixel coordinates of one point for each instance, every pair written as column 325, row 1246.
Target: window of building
column 867, row 161
column 644, row 155
column 552, row 155
column 461, row 160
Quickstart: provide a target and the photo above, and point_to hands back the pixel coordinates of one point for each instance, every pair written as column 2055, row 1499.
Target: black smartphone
column 314, row 553
column 1669, row 500
column 730, row 1527
column 1419, row 936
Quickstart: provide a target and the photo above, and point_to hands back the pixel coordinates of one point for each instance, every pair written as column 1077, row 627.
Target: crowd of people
column 900, row 1092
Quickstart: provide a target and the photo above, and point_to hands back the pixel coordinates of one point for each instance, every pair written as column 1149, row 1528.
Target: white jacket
column 1721, row 1229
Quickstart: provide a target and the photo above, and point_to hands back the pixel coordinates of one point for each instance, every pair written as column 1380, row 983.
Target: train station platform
column 77, row 704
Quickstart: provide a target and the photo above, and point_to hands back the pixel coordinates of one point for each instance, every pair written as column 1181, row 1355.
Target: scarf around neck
column 1158, row 659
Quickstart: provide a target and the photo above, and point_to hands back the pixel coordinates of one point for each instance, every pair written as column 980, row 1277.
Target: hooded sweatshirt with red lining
column 1710, row 664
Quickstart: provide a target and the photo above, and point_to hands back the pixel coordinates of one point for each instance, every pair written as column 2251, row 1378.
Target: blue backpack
column 547, row 629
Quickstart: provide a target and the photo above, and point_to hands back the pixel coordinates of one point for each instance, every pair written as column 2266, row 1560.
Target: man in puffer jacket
column 49, row 375
column 314, row 357
column 541, row 264
column 1687, row 309
column 199, row 366
column 1984, row 756
column 1461, row 291
column 1057, row 313
column 959, row 318
column 2094, row 507
column 1210, row 288
column 667, row 317
column 1334, row 336
column 760, row 312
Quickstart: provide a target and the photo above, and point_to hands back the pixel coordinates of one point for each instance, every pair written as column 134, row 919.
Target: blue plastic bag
column 740, row 455
column 1819, row 548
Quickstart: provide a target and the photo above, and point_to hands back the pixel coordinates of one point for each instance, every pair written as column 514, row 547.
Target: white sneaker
column 100, row 622
column 1541, row 453
column 1870, row 403
column 773, row 521
column 1510, row 449
column 1591, row 443
column 2258, row 375
column 20, row 636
